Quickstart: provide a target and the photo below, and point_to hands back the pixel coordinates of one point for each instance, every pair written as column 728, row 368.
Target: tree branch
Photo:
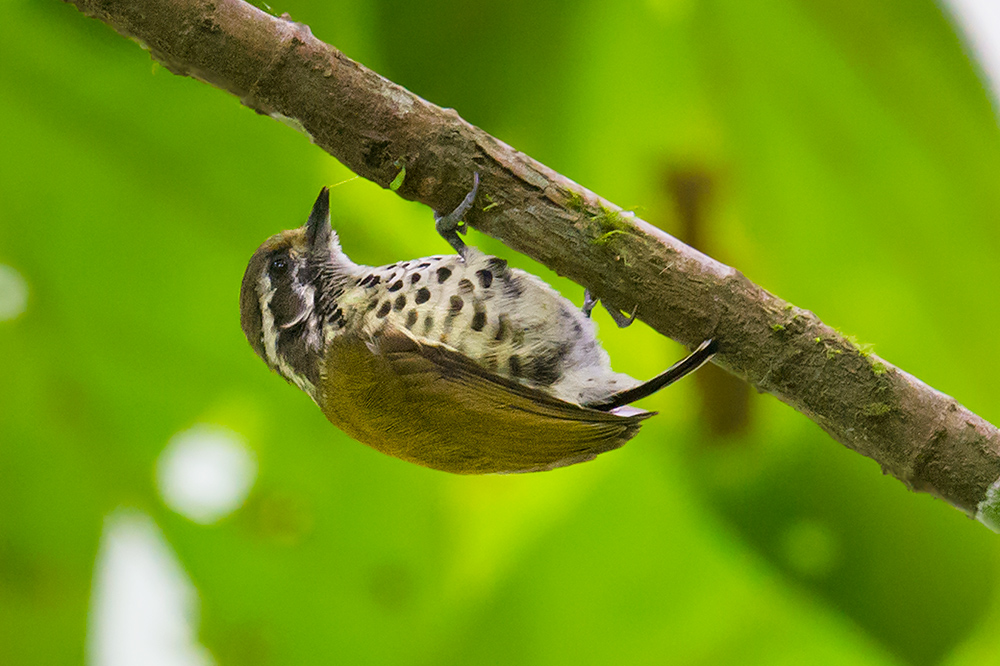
column 276, row 67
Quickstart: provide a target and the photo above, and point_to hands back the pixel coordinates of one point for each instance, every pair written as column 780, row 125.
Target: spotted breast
column 506, row 320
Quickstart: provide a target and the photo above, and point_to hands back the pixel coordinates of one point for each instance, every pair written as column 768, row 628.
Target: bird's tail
column 685, row 366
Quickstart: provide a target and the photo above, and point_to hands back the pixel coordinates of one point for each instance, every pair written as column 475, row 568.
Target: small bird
column 459, row 363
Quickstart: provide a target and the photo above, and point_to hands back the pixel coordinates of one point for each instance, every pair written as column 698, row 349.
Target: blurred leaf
column 853, row 158
column 866, row 157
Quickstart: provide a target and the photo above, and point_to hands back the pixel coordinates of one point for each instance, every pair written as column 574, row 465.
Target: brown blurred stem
column 275, row 66
column 724, row 398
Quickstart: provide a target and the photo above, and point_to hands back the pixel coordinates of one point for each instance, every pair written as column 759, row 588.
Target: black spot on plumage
column 400, row 303
column 514, row 363
column 502, row 328
column 415, row 278
column 374, row 280
column 491, row 363
column 443, row 274
column 384, row 310
column 372, row 304
column 497, row 265
column 513, row 286
column 544, row 369
column 428, row 323
column 411, row 318
column 478, row 320
column 485, row 278
column 389, row 267
column 465, row 286
column 392, row 276
column 577, row 328
column 423, row 265
column 396, row 286
column 423, row 295
column 455, row 305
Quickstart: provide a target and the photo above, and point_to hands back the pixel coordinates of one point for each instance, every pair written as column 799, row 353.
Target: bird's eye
column 278, row 267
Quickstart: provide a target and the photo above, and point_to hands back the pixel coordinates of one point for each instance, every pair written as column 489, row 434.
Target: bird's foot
column 621, row 319
column 450, row 225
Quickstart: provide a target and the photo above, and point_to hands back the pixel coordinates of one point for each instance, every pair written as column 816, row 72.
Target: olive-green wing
column 429, row 404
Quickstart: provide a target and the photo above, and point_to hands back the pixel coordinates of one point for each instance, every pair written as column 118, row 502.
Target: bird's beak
column 318, row 225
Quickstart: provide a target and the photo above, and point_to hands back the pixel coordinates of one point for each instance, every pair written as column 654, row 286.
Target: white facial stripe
column 266, row 292
column 303, row 383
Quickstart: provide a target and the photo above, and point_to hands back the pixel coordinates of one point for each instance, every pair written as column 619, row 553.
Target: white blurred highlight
column 205, row 473
column 143, row 608
column 979, row 22
column 13, row 293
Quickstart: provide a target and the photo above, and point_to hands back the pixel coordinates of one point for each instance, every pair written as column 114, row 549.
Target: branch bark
column 277, row 67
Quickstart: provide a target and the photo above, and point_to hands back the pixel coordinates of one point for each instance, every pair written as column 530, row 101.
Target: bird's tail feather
column 685, row 366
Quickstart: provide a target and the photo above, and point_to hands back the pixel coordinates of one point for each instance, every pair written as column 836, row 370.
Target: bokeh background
column 164, row 499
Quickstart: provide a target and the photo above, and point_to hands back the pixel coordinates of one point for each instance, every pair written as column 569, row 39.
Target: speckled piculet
column 458, row 362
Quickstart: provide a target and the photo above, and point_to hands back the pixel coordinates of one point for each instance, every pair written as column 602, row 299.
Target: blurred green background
column 842, row 154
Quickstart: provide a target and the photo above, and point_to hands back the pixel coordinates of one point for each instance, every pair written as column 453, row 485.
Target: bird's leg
column 449, row 226
column 589, row 302
column 621, row 319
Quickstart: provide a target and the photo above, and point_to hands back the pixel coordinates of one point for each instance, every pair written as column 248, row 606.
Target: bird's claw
column 620, row 318
column 589, row 302
column 449, row 226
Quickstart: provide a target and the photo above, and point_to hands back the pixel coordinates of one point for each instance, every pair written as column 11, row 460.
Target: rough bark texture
column 275, row 66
